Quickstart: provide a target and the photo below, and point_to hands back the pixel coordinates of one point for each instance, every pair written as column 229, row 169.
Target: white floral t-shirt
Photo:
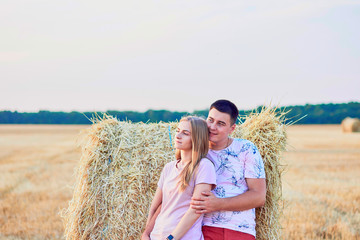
column 233, row 165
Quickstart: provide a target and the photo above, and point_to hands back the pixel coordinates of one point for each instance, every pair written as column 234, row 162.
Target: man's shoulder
column 239, row 142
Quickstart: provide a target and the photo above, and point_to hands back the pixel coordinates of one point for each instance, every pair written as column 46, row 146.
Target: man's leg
column 231, row 235
column 213, row 233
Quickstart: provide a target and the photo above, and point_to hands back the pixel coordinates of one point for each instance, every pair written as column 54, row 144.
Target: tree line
column 301, row 114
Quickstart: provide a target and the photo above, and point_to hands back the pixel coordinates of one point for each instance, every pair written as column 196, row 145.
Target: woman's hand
column 145, row 236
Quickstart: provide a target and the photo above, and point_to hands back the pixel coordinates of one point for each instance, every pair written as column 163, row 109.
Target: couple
column 212, row 188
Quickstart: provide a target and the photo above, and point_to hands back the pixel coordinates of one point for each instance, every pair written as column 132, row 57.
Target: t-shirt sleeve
column 254, row 166
column 162, row 176
column 206, row 172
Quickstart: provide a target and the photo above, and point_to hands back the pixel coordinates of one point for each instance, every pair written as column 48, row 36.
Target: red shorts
column 215, row 233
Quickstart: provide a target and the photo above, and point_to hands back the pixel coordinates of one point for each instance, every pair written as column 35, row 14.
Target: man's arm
column 254, row 197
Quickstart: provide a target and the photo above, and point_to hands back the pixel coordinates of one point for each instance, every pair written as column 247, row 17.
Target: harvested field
column 36, row 171
column 321, row 185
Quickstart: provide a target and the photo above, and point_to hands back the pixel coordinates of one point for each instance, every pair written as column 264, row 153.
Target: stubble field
column 321, row 184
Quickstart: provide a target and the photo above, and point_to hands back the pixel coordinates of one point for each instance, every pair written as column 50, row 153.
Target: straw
column 121, row 163
column 268, row 132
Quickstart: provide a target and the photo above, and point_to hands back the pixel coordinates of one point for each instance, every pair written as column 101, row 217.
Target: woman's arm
column 154, row 211
column 190, row 216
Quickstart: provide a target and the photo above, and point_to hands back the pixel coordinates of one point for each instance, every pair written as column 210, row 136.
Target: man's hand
column 145, row 236
column 206, row 203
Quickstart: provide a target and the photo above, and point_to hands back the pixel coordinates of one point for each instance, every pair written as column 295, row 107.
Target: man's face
column 219, row 125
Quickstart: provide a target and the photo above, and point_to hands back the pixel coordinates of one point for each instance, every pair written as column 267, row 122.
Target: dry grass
column 267, row 131
column 117, row 177
column 36, row 170
column 350, row 125
column 321, row 185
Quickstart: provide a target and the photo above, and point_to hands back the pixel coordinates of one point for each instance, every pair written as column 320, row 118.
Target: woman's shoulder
column 206, row 170
column 173, row 162
column 170, row 164
column 204, row 162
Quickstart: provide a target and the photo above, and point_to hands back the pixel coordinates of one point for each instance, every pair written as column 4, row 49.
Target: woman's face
column 183, row 136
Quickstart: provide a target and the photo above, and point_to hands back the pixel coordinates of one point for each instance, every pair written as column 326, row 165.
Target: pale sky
column 64, row 55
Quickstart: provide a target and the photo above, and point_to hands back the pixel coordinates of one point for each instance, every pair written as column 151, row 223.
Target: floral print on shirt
column 233, row 165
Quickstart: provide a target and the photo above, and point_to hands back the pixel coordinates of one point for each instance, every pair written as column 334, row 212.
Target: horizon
column 151, row 109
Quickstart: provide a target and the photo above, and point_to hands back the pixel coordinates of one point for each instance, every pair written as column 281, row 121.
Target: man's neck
column 220, row 145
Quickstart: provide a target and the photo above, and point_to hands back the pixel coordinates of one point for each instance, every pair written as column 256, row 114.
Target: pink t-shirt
column 176, row 203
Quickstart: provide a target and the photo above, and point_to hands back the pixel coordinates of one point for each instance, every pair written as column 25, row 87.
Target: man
column 230, row 209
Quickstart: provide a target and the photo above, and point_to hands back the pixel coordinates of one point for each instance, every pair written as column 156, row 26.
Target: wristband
column 170, row 237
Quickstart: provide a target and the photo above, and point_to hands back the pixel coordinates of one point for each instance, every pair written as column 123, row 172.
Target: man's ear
column 232, row 128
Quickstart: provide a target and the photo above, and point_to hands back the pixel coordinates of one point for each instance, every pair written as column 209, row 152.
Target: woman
column 189, row 175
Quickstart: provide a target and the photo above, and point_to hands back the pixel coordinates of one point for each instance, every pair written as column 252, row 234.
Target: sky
column 77, row 55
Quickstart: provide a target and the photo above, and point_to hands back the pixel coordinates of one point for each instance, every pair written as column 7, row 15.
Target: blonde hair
column 200, row 148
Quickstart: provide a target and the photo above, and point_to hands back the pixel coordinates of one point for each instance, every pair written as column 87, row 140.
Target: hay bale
column 122, row 161
column 268, row 132
column 349, row 125
column 116, row 179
